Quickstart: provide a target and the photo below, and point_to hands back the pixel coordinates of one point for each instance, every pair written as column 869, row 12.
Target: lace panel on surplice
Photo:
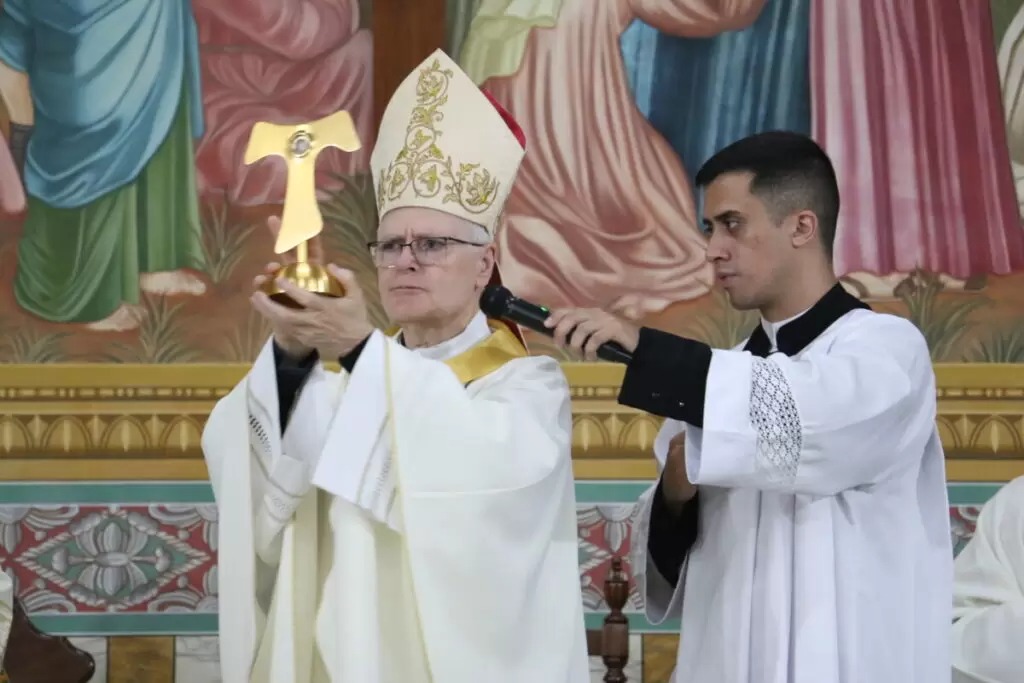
column 776, row 420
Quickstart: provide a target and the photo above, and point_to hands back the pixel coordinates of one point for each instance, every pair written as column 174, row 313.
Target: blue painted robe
column 702, row 94
column 110, row 165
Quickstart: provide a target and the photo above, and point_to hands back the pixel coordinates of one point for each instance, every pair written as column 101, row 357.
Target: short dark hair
column 791, row 173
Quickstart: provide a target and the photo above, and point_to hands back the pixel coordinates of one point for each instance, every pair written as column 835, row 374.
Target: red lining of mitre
column 520, row 136
column 507, row 117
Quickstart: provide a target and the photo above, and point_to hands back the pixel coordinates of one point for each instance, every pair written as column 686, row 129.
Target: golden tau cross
column 300, row 144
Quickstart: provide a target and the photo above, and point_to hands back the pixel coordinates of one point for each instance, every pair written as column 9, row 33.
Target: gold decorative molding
column 117, row 421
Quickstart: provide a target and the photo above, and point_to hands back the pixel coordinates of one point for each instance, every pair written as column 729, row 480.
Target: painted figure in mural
column 988, row 595
column 436, row 467
column 896, row 86
column 284, row 61
column 1010, row 38
column 609, row 219
column 848, row 74
column 800, row 523
column 602, row 213
column 103, row 130
column 12, row 194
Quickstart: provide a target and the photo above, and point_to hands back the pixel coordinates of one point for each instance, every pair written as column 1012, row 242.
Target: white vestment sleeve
column 662, row 600
column 988, row 593
column 259, row 481
column 830, row 420
column 364, row 475
column 361, row 472
column 481, row 481
column 284, row 465
column 226, row 447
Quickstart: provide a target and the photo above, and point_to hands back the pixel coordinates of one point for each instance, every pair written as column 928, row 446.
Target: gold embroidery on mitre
column 421, row 164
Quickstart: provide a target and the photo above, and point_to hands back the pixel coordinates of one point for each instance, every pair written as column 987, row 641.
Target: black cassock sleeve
column 672, row 536
column 292, row 374
column 349, row 361
column 667, row 376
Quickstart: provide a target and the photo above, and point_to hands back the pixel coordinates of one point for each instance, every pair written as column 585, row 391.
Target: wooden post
column 404, row 33
column 615, row 636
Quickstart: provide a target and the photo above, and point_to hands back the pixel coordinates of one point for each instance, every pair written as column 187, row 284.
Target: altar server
column 800, row 525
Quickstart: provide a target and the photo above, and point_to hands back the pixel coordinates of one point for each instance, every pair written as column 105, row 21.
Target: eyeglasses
column 428, row 251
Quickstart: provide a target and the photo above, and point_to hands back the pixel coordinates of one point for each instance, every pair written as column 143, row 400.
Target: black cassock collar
column 668, row 374
column 795, row 335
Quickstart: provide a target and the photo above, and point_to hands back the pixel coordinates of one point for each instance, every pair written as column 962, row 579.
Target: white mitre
column 445, row 144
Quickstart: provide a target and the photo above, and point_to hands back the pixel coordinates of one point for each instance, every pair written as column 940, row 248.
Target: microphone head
column 495, row 300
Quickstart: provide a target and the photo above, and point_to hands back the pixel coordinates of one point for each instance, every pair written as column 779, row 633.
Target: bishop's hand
column 333, row 326
column 584, row 330
column 283, row 334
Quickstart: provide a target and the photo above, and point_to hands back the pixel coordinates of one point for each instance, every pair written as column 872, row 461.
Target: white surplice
column 988, row 593
column 824, row 552
column 6, row 610
column 437, row 545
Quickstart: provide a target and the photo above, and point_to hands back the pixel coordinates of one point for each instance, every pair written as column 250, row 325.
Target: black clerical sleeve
column 667, row 376
column 672, row 535
column 291, row 375
column 348, row 361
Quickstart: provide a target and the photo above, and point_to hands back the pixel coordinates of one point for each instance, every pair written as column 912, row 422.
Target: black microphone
column 498, row 302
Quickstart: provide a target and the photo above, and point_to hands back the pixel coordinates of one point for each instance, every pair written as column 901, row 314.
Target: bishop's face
column 749, row 250
column 431, row 266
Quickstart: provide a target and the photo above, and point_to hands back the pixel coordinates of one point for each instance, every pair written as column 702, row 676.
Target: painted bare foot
column 171, row 282
column 854, row 287
column 635, row 306
column 955, row 284
column 127, row 317
column 872, row 287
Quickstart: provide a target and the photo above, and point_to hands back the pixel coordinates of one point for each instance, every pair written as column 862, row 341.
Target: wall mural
column 907, row 97
column 130, row 231
column 131, row 227
column 141, row 227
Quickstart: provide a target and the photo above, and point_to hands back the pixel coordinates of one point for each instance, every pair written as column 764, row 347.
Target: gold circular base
column 311, row 277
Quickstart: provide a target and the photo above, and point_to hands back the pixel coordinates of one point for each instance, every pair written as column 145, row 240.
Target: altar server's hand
column 584, row 329
column 674, row 483
column 331, row 325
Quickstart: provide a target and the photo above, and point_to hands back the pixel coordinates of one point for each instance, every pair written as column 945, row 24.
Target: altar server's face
column 751, row 252
column 443, row 279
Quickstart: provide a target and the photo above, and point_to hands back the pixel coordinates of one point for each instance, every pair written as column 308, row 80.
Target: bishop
column 412, row 518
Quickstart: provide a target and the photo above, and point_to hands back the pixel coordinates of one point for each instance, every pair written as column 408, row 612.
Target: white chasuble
column 823, row 553
column 416, row 523
column 988, row 593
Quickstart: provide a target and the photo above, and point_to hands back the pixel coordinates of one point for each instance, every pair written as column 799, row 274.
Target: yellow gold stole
column 488, row 355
